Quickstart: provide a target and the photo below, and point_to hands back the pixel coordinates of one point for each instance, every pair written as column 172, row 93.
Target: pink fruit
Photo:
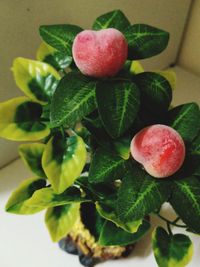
column 160, row 149
column 100, row 53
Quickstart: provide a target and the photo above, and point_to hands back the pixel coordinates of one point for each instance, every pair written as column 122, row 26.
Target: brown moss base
column 81, row 243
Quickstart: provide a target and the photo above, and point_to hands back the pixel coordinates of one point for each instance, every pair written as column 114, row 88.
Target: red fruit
column 160, row 149
column 100, row 53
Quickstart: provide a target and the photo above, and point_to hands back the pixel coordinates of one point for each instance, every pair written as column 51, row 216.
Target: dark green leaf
column 91, row 219
column 114, row 19
column 107, row 209
column 195, row 147
column 156, row 92
column 100, row 191
column 17, row 201
column 118, row 104
column 105, row 166
column 73, row 100
column 185, row 119
column 140, row 194
column 145, row 41
column 191, row 166
column 60, row 37
column 170, row 251
column 60, row 220
column 185, row 200
column 121, row 145
column 94, row 125
column 55, row 58
column 111, row 235
column 195, row 155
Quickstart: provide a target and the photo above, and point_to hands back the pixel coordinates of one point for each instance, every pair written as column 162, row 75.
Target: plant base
column 81, row 243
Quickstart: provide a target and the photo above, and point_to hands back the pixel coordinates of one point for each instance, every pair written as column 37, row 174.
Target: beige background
column 19, row 36
column 190, row 52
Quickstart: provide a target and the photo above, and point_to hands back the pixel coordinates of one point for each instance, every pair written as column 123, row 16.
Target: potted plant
column 108, row 148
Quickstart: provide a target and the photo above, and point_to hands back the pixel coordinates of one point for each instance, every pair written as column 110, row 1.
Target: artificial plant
column 81, row 127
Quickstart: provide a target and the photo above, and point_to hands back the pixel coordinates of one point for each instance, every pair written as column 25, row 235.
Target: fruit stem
column 170, row 222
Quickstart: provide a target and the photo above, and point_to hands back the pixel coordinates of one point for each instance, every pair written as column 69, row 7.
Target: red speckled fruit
column 100, row 53
column 160, row 149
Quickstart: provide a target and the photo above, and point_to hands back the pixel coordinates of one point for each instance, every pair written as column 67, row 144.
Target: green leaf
column 73, row 100
column 17, row 201
column 191, row 166
column 47, row 198
column 170, row 251
column 111, row 235
column 114, row 19
column 140, row 194
column 100, row 191
column 156, row 92
column 55, row 58
column 31, row 154
column 194, row 156
column 185, row 200
column 105, row 166
column 195, row 147
column 94, row 125
column 37, row 80
column 63, row 160
column 145, row 41
column 118, row 104
column 107, row 209
column 60, row 37
column 185, row 119
column 20, row 120
column 122, row 147
column 60, row 220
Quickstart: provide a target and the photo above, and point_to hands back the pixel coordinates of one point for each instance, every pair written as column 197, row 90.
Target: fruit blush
column 160, row 149
column 100, row 53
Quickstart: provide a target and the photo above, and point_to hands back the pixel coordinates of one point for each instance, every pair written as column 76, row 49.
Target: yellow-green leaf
column 111, row 215
column 63, row 160
column 20, row 120
column 31, row 154
column 136, row 67
column 171, row 250
column 37, row 80
column 60, row 220
column 17, row 201
column 46, row 198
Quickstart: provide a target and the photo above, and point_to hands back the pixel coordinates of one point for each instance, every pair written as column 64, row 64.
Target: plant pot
column 81, row 243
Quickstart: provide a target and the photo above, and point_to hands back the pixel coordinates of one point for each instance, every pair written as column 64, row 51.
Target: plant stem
column 176, row 220
column 63, row 72
column 62, row 131
column 170, row 222
column 169, row 229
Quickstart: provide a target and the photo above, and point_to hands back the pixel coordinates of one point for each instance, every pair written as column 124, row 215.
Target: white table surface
column 25, row 242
